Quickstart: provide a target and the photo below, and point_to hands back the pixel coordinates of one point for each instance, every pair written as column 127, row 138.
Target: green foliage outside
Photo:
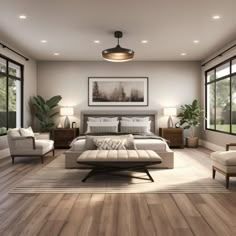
column 190, row 116
column 45, row 111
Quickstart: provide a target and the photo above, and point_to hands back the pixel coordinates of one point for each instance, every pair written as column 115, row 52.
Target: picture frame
column 117, row 91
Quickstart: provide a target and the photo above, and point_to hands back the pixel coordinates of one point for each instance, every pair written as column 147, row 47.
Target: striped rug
column 190, row 175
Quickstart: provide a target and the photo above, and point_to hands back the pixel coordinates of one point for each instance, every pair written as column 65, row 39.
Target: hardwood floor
column 110, row 214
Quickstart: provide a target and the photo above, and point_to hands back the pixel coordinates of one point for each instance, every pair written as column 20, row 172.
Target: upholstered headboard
column 118, row 113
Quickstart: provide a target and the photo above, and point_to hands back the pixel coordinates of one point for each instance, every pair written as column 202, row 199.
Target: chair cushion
column 227, row 158
column 13, row 132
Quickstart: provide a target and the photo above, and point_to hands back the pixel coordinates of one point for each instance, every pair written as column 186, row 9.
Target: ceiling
column 71, row 26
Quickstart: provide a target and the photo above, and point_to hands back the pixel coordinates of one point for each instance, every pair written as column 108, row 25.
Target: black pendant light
column 118, row 54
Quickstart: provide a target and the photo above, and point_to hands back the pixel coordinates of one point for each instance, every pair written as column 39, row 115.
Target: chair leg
column 13, row 159
column 213, row 172
column 227, row 180
column 42, row 159
column 53, row 152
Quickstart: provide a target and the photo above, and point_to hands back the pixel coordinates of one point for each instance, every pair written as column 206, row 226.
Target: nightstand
column 63, row 137
column 174, row 135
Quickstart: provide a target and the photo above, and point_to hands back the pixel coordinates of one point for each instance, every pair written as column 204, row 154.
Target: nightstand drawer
column 175, row 136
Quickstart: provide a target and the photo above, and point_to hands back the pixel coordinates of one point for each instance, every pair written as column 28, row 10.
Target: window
column 11, row 94
column 220, row 96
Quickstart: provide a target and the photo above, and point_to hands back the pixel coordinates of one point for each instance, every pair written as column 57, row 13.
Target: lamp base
column 67, row 123
column 170, row 122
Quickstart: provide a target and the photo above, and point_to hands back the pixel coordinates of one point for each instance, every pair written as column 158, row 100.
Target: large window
column 11, row 94
column 220, row 87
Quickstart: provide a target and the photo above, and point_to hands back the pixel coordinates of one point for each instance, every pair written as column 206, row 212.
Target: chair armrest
column 22, row 138
column 229, row 145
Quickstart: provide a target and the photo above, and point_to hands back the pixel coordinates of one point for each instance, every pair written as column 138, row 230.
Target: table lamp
column 170, row 111
column 67, row 111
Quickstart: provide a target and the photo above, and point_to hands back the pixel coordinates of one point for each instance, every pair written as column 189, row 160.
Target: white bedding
column 141, row 144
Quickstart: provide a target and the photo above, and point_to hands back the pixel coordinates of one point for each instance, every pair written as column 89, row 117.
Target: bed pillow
column 131, row 119
column 135, row 127
column 28, row 132
column 130, row 145
column 101, row 127
column 95, row 119
column 102, row 119
column 110, row 143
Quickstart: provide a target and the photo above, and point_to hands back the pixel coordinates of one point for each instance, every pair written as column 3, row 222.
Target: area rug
column 188, row 176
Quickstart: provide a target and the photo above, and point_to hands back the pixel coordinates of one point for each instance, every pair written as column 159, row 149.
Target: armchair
column 25, row 144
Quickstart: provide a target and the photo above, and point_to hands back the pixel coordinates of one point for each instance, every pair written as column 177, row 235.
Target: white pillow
column 27, row 132
column 139, row 119
column 136, row 124
column 13, row 132
column 102, row 119
column 94, row 119
column 92, row 123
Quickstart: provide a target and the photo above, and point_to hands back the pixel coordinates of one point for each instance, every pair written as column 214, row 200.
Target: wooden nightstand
column 63, row 137
column 174, row 135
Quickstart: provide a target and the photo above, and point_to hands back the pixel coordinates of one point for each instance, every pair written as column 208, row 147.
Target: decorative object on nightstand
column 67, row 111
column 170, row 111
column 175, row 136
column 63, row 137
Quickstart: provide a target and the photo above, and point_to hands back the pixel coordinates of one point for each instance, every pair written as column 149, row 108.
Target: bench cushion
column 226, row 158
column 119, row 156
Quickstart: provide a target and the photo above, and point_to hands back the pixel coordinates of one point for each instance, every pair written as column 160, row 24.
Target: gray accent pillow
column 103, row 129
column 130, row 145
column 134, row 129
column 110, row 143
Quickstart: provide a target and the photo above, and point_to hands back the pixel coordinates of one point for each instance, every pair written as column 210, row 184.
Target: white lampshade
column 66, row 111
column 170, row 111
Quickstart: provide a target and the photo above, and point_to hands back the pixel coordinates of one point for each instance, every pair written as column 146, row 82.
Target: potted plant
column 190, row 119
column 45, row 111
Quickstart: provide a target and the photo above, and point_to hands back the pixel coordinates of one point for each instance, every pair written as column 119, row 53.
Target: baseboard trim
column 4, row 153
column 211, row 146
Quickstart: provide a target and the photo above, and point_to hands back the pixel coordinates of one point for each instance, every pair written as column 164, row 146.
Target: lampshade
column 118, row 54
column 169, row 111
column 66, row 111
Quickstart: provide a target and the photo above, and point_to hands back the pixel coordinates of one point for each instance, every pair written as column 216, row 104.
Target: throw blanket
column 136, row 136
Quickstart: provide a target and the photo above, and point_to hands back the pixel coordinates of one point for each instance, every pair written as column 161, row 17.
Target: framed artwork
column 118, row 91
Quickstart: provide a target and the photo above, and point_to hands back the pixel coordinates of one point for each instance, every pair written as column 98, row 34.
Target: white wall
column 170, row 83
column 30, row 82
column 212, row 137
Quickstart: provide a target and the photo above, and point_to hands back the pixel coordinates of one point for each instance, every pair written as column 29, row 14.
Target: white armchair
column 24, row 143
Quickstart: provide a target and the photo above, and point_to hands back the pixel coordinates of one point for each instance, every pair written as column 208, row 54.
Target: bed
column 142, row 142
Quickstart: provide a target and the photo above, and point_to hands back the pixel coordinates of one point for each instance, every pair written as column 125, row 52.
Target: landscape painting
column 118, row 91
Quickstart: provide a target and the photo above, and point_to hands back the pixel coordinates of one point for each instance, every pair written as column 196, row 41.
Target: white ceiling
column 71, row 26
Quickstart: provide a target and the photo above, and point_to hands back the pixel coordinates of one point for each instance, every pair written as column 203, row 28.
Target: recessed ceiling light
column 56, row 54
column 196, row 41
column 43, row 41
column 183, row 54
column 96, row 41
column 22, row 17
column 216, row 17
column 144, row 41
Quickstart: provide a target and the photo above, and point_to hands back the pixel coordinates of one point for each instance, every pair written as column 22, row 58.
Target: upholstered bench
column 225, row 163
column 110, row 161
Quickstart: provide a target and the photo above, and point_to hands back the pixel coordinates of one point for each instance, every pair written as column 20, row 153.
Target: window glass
column 14, row 70
column 210, row 75
column 211, row 106
column 223, row 105
column 222, row 70
column 3, row 104
column 3, row 65
column 233, row 94
column 233, row 66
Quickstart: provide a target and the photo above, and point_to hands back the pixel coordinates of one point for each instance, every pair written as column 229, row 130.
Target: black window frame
column 7, row 75
column 230, row 75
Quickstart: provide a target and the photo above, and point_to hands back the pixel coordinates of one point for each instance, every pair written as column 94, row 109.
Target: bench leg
column 13, row 159
column 227, row 180
column 148, row 174
column 213, row 172
column 92, row 172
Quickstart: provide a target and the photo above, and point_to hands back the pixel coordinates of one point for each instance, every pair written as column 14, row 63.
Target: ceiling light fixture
column 196, row 41
column 96, row 41
column 43, row 41
column 22, row 17
column 216, row 17
column 144, row 41
column 118, row 54
column 56, row 54
column 183, row 54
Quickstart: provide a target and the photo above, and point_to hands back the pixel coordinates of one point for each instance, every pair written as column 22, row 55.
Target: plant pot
column 192, row 142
